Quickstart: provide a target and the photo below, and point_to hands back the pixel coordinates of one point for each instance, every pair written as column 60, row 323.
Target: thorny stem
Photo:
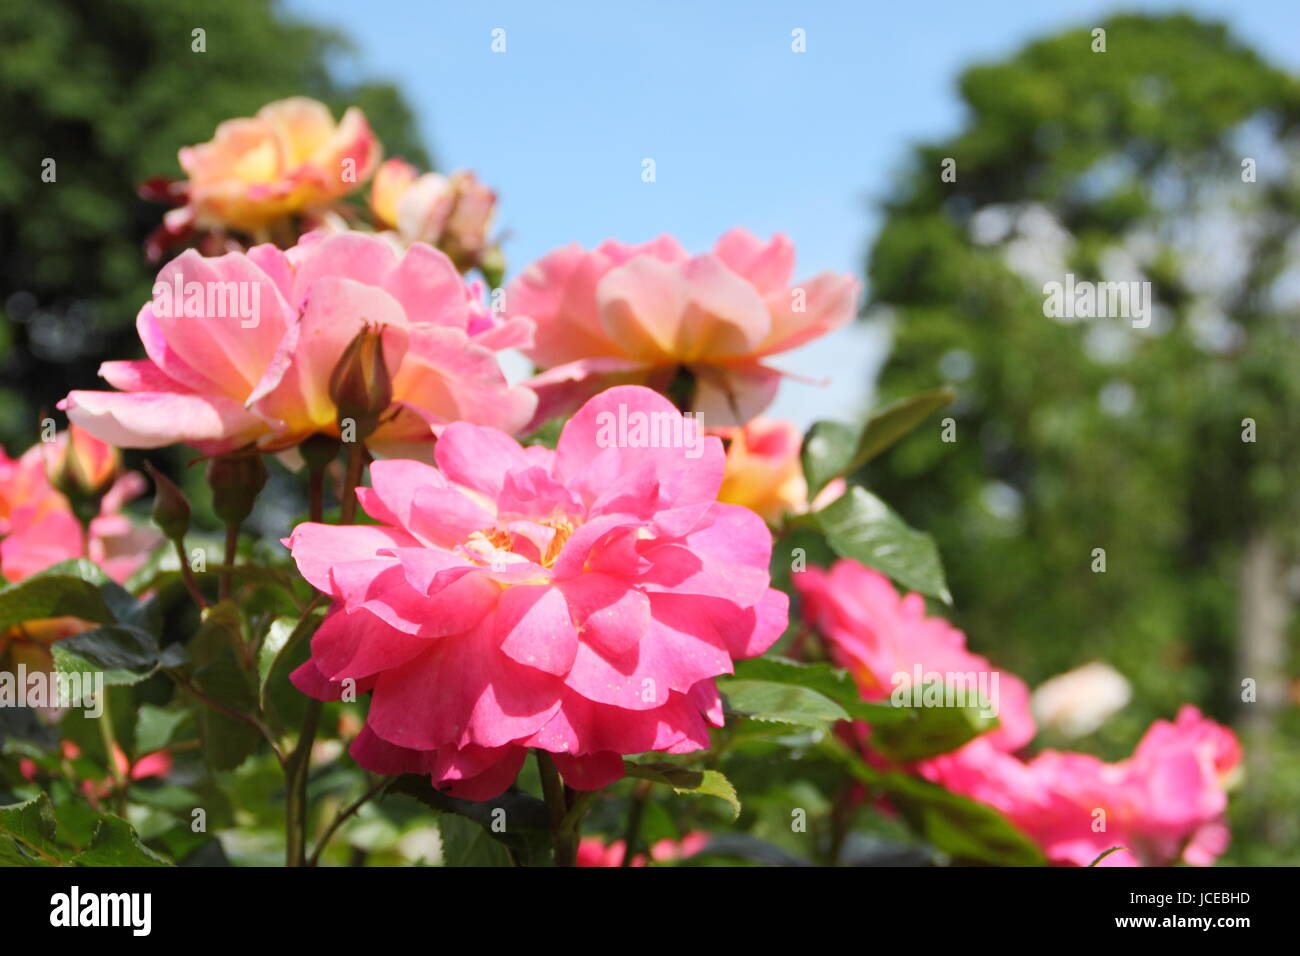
column 342, row 817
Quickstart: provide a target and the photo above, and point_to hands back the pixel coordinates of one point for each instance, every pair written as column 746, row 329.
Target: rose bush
column 715, row 641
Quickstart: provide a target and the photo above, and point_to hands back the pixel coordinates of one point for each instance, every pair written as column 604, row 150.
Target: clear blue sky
column 742, row 130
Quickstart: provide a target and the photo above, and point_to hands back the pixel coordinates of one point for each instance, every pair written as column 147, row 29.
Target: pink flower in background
column 579, row 601
column 884, row 640
column 288, row 158
column 653, row 314
column 452, row 212
column 592, row 851
column 39, row 528
column 241, row 348
column 1165, row 804
column 764, row 472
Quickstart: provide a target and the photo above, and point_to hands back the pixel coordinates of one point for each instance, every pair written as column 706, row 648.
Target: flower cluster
column 1163, row 804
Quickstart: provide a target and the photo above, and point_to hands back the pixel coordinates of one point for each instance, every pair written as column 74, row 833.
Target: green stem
column 356, row 464
column 633, row 834
column 109, row 737
column 296, row 771
column 228, row 568
column 187, row 575
column 343, row 816
column 557, row 809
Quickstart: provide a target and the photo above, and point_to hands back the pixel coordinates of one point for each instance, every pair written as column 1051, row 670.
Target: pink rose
column 764, row 472
column 288, row 158
column 578, row 601
column 886, row 640
column 241, row 348
column 1165, row 804
column 652, row 314
column 39, row 528
column 452, row 212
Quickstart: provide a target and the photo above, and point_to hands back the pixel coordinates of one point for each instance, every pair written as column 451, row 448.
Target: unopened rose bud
column 359, row 385
column 83, row 468
column 171, row 512
column 235, row 480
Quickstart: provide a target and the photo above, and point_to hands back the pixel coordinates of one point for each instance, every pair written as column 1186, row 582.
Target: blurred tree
column 109, row 91
column 1169, row 157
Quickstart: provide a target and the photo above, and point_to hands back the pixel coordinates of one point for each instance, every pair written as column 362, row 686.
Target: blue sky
column 742, row 130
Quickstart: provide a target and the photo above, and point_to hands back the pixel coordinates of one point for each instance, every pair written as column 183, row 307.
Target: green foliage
column 1072, row 436
column 109, row 91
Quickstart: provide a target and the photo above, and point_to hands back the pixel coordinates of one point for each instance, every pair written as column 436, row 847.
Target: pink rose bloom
column 1165, row 804
column 764, row 472
column 243, row 352
column 885, row 640
column 578, row 601
column 452, row 212
column 288, row 158
column 39, row 528
column 653, row 314
column 593, row 852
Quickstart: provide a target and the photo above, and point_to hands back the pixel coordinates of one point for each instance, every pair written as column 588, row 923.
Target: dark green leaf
column 32, row 826
column 516, row 819
column 968, row 831
column 466, row 843
column 832, row 682
column 926, row 731
column 115, row 844
column 779, row 703
column 862, row 527
column 124, row 655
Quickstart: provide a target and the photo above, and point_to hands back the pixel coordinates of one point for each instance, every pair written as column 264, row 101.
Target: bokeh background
column 1071, row 436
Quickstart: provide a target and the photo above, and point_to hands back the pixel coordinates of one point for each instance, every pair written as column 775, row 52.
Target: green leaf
column 281, row 638
column 521, row 821
column 465, row 843
column 124, row 655
column 52, row 595
column 707, row 783
column 219, row 674
column 862, row 527
column 31, row 826
column 156, row 727
column 826, row 454
column 832, row 449
column 1105, row 853
column 115, row 844
column 826, row 680
column 926, row 731
column 968, row 831
column 892, row 422
column 779, row 703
